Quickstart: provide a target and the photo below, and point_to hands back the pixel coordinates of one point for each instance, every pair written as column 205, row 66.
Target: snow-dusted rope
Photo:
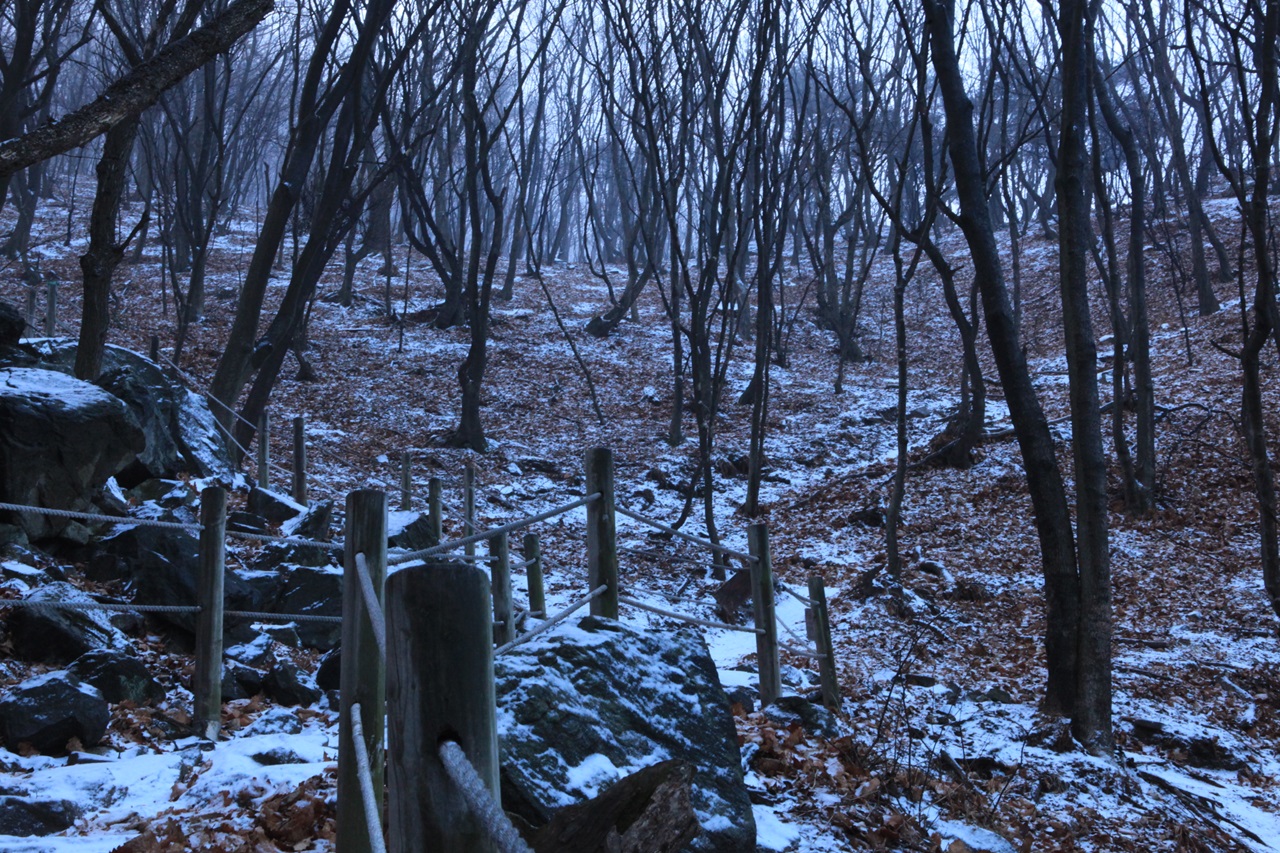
column 680, row 534
column 676, row 558
column 801, row 652
column 519, row 524
column 263, row 616
column 480, row 800
column 377, row 619
column 640, row 605
column 364, row 772
column 101, row 519
column 285, row 540
column 553, row 621
column 797, row 596
column 100, row 605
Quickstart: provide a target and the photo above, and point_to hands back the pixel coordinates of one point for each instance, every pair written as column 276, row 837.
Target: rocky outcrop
column 48, row 711
column 52, row 634
column 60, row 439
column 586, row 704
column 120, row 677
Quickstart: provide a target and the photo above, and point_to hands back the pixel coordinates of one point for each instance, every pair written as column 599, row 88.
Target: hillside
column 941, row 742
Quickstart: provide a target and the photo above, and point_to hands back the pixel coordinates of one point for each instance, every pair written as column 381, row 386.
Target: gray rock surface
column 59, row 635
column 49, row 710
column 590, row 702
column 25, row 817
column 60, row 439
column 119, row 676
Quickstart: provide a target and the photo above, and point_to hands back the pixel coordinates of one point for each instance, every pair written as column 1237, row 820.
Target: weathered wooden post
column 51, row 308
column 264, row 449
column 206, row 683
column 435, row 509
column 504, row 629
column 406, row 481
column 363, row 678
column 155, row 348
column 31, row 311
column 300, row 459
column 763, row 604
column 440, row 686
column 533, row 571
column 822, row 639
column 469, row 506
column 602, row 533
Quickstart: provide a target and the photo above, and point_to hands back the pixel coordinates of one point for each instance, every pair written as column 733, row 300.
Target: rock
column 788, row 711
column 277, row 554
column 240, row 681
column 313, row 591
column 275, row 507
column 60, row 439
column 181, row 433
column 329, row 672
column 410, row 531
column 12, row 325
column 240, row 521
column 50, row 710
column 285, row 634
column 288, row 685
column 24, row 817
column 588, row 703
column 119, row 676
column 312, row 524
column 57, row 634
column 743, row 696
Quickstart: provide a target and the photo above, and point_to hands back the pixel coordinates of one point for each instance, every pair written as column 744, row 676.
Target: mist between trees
column 706, row 152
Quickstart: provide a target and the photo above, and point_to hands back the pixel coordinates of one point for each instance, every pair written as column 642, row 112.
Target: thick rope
column 263, row 616
column 676, row 558
column 519, row 524
column 680, row 534
column 364, row 772
column 99, row 605
column 101, row 519
column 480, row 800
column 797, row 596
column 285, row 540
column 552, row 622
column 801, row 652
column 377, row 619
column 640, row 605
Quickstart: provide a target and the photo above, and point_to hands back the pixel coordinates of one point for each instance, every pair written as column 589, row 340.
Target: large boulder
column 24, row 817
column 52, row 634
column 589, row 703
column 51, row 709
column 60, row 439
column 312, row 591
column 120, row 677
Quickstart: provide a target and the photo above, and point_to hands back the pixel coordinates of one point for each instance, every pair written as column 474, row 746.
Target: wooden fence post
column 51, row 308
column 533, row 571
column 155, row 348
column 763, row 605
column 406, row 481
column 504, row 629
column 822, row 639
column 264, row 449
column 435, row 510
column 206, row 684
column 300, row 459
column 363, row 671
column 602, row 533
column 469, row 506
column 440, row 686
column 31, row 312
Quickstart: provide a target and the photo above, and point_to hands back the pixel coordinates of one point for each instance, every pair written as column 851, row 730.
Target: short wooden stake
column 602, row 533
column 762, row 601
column 504, row 629
column 440, row 686
column 206, row 684
column 155, row 348
column 363, row 678
column 435, row 510
column 51, row 308
column 469, row 506
column 300, row 459
column 822, row 639
column 264, row 449
column 406, row 481
column 533, row 572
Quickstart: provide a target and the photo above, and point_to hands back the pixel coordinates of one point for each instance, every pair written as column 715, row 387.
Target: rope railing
column 684, row 617
column 263, row 616
column 676, row 558
column 285, row 540
column 519, row 524
column 797, row 596
column 553, row 621
column 100, row 605
column 680, row 534
column 100, row 519
column 364, row 771
column 478, row 798
column 377, row 618
column 804, row 653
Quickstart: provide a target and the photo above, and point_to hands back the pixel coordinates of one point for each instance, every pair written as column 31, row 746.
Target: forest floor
column 943, row 746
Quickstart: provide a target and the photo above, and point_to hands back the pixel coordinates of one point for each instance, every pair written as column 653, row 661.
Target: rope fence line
column 263, row 616
column 802, row 652
column 553, row 621
column 519, row 524
column 677, row 558
column 377, row 618
column 101, row 605
column 364, row 771
column 680, row 534
column 683, row 617
column 101, row 519
column 285, row 540
column 492, row 818
column 797, row 596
